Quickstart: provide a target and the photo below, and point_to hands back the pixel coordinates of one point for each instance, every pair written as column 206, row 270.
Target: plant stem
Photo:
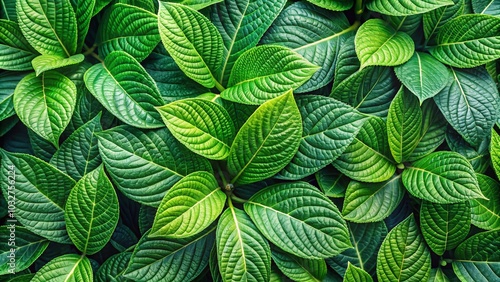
column 358, row 9
column 90, row 52
column 219, row 86
column 237, row 199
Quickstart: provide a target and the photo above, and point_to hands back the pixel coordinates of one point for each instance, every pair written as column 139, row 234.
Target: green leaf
column 8, row 10
column 329, row 126
column 162, row 259
column 241, row 30
column 437, row 275
column 370, row 202
column 42, row 148
column 123, row 238
column 144, row 164
column 267, row 141
column 189, row 207
column 444, row 226
column 337, row 5
column 313, row 33
column 49, row 26
column 403, row 255
column 195, row 4
column 423, row 75
column 9, row 81
column 495, row 152
column 295, row 216
column 299, row 269
column 266, row 72
column 404, row 123
column 470, row 103
column 192, row 41
column 486, row 213
column 15, row 52
column 477, row 258
column 45, row 104
column 406, row 24
column 146, row 218
column 44, row 63
column 442, row 177
column 468, row 41
column 479, row 157
column 332, row 182
column 83, row 14
column 366, row 159
column 130, row 29
column 92, row 212
column 70, row 267
column 405, row 7
column 99, row 5
column 435, row 19
column 214, row 266
column 204, row 127
column 490, row 7
column 26, row 245
column 378, row 44
column 112, row 268
column 356, row 274
column 243, row 253
column 125, row 89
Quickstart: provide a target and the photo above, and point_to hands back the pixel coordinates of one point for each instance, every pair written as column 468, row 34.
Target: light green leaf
column 66, row 268
column 370, row 202
column 125, row 89
column 15, row 52
column 403, row 255
column 45, row 104
column 111, row 270
column 49, row 26
column 26, row 245
column 176, row 260
column 267, row 141
column 404, row 123
column 444, row 226
column 423, row 75
column 468, row 41
column 266, row 72
column 486, row 213
column 195, row 4
column 435, row 19
column 332, row 182
column 92, row 212
column 405, row 7
column 442, row 177
column 437, row 275
column 336, row 5
column 243, row 29
column 317, row 38
column 204, row 127
column 329, row 126
column 9, row 81
column 189, row 207
column 378, row 44
column 130, row 29
column 366, row 159
column 495, row 152
column 83, row 14
column 295, row 216
column 490, row 7
column 192, row 41
column 299, row 269
column 470, row 103
column 44, row 63
column 144, row 164
column 356, row 274
column 243, row 253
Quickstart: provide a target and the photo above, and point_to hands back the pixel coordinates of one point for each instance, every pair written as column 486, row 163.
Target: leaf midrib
column 53, row 30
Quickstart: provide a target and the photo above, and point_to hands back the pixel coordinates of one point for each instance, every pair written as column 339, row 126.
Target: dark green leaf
column 299, row 269
column 356, row 274
column 112, row 268
column 486, row 213
column 436, row 18
column 406, row 7
column 15, row 52
column 9, row 81
column 332, row 182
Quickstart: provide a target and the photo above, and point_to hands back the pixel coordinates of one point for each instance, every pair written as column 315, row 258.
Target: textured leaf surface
column 405, row 7
column 83, row 14
column 437, row 275
column 192, row 41
column 478, row 156
column 286, row 212
column 468, row 41
column 338, row 5
column 266, row 72
column 15, row 52
column 189, row 207
column 444, row 226
column 332, row 182
column 442, row 177
column 9, row 81
column 49, row 62
column 378, row 44
column 125, row 89
column 403, row 255
column 356, row 274
column 490, row 7
column 243, row 253
column 66, row 268
column 435, row 19
column 8, row 10
column 144, row 164
column 113, row 267
column 202, row 126
column 267, row 141
column 299, row 269
column 495, row 152
column 196, row 4
column 486, row 213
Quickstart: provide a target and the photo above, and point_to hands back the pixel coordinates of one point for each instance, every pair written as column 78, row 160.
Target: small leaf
column 406, row 7
column 70, row 267
column 356, row 274
column 15, row 52
column 44, row 63
column 486, row 213
column 299, row 269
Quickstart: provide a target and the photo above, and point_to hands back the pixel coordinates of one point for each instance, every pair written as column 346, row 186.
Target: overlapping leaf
column 435, row 19
column 332, row 182
column 15, row 52
column 339, row 5
column 9, row 81
column 486, row 213
column 490, row 7
column 299, row 269
column 83, row 14
column 495, row 151
column 478, row 156
column 356, row 274
column 195, row 4
column 406, row 7
column 69, row 267
column 113, row 267
column 49, row 62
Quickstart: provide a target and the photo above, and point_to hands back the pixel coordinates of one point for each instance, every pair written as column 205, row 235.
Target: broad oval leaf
column 295, row 216
column 46, row 103
column 125, row 89
column 92, row 212
column 9, row 81
column 468, row 41
column 15, row 52
column 66, row 268
column 405, row 7
column 356, row 274
column 442, row 177
column 444, row 226
column 267, row 141
column 378, row 44
column 202, row 126
column 189, row 207
column 192, row 41
column 243, row 253
column 299, row 269
column 403, row 255
column 495, row 152
column 49, row 62
column 49, row 26
column 486, row 213
column 435, row 19
column 144, row 164
column 347, row 62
